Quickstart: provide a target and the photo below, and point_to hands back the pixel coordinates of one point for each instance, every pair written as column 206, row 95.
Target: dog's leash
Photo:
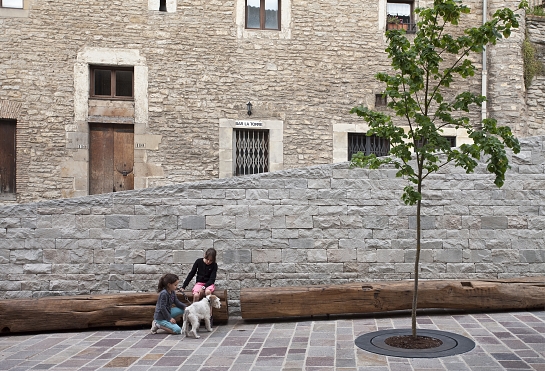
column 184, row 295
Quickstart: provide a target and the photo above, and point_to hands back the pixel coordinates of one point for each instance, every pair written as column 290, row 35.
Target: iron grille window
column 112, row 83
column 451, row 139
column 360, row 142
column 263, row 14
column 251, row 151
column 16, row 4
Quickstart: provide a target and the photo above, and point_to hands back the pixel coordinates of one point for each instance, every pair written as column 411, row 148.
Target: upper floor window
column 263, row 14
column 360, row 142
column 112, row 82
column 400, row 16
column 17, row 4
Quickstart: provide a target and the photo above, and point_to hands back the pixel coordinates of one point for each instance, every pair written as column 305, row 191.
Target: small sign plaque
column 249, row 123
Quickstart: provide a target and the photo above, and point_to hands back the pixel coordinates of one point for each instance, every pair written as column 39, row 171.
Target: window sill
column 13, row 13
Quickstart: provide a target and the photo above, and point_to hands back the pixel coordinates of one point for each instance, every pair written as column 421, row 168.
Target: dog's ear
column 212, row 297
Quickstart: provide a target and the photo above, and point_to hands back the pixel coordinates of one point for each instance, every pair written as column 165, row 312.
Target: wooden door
column 7, row 156
column 111, row 158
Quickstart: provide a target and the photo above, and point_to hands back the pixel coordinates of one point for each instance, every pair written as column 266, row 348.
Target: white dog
column 197, row 311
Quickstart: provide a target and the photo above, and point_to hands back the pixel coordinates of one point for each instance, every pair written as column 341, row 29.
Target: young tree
column 424, row 69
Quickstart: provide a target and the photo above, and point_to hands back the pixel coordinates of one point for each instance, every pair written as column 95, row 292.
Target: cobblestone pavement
column 504, row 341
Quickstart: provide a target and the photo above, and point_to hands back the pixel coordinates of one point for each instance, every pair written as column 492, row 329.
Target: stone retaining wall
column 316, row 225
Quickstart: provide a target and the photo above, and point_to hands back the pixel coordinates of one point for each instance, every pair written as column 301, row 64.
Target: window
column 162, row 5
column 263, row 14
column 360, row 142
column 380, row 100
column 7, row 156
column 450, row 139
column 112, row 83
column 17, row 4
column 251, row 151
column 400, row 16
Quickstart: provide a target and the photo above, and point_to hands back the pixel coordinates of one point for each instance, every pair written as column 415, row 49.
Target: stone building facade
column 195, row 66
column 325, row 224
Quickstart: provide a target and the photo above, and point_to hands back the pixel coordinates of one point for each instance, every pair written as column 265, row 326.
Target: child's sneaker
column 154, row 327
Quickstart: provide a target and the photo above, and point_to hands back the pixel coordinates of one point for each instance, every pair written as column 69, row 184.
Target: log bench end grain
column 384, row 296
column 87, row 311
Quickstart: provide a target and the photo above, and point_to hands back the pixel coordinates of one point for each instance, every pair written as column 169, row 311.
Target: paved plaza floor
column 504, row 341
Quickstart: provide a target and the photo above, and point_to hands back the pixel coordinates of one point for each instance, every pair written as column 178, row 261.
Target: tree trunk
column 384, row 296
column 87, row 311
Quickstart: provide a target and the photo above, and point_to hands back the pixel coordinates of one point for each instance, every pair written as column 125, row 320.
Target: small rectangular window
column 400, row 15
column 251, row 149
column 112, row 83
column 263, row 14
column 17, row 4
column 7, row 156
column 380, row 100
column 360, row 142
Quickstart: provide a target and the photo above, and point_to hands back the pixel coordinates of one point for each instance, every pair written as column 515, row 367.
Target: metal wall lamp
column 249, row 106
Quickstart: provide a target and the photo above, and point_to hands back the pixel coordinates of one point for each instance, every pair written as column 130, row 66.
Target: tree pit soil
column 410, row 342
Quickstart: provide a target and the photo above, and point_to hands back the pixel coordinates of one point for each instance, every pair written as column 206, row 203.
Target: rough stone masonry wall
column 201, row 68
column 325, row 224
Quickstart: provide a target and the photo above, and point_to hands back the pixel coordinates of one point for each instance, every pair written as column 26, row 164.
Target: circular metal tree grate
column 452, row 344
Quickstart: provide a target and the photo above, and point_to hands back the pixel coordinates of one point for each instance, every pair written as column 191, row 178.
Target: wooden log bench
column 357, row 298
column 88, row 311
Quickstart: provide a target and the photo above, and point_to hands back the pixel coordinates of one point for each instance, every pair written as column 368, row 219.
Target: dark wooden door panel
column 7, row 156
column 111, row 158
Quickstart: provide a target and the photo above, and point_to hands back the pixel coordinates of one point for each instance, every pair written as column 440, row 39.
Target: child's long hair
column 165, row 280
column 210, row 254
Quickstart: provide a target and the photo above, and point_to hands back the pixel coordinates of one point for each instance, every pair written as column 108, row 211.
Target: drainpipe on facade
column 484, row 79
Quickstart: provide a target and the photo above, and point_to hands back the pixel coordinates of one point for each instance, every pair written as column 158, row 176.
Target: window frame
column 266, row 152
column 10, row 7
column 408, row 27
column 113, row 70
column 262, row 19
column 13, row 179
column 368, row 139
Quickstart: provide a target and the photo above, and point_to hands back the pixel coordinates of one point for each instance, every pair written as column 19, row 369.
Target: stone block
column 448, row 256
column 198, row 244
column 187, row 256
column 26, row 256
column 390, row 256
column 494, row 222
column 117, row 221
column 139, row 222
column 301, row 243
column 192, row 222
column 242, row 222
column 159, row 257
column 237, row 256
column 299, row 221
column 266, row 256
column 341, row 255
column 220, row 222
column 37, row 268
column 427, row 222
